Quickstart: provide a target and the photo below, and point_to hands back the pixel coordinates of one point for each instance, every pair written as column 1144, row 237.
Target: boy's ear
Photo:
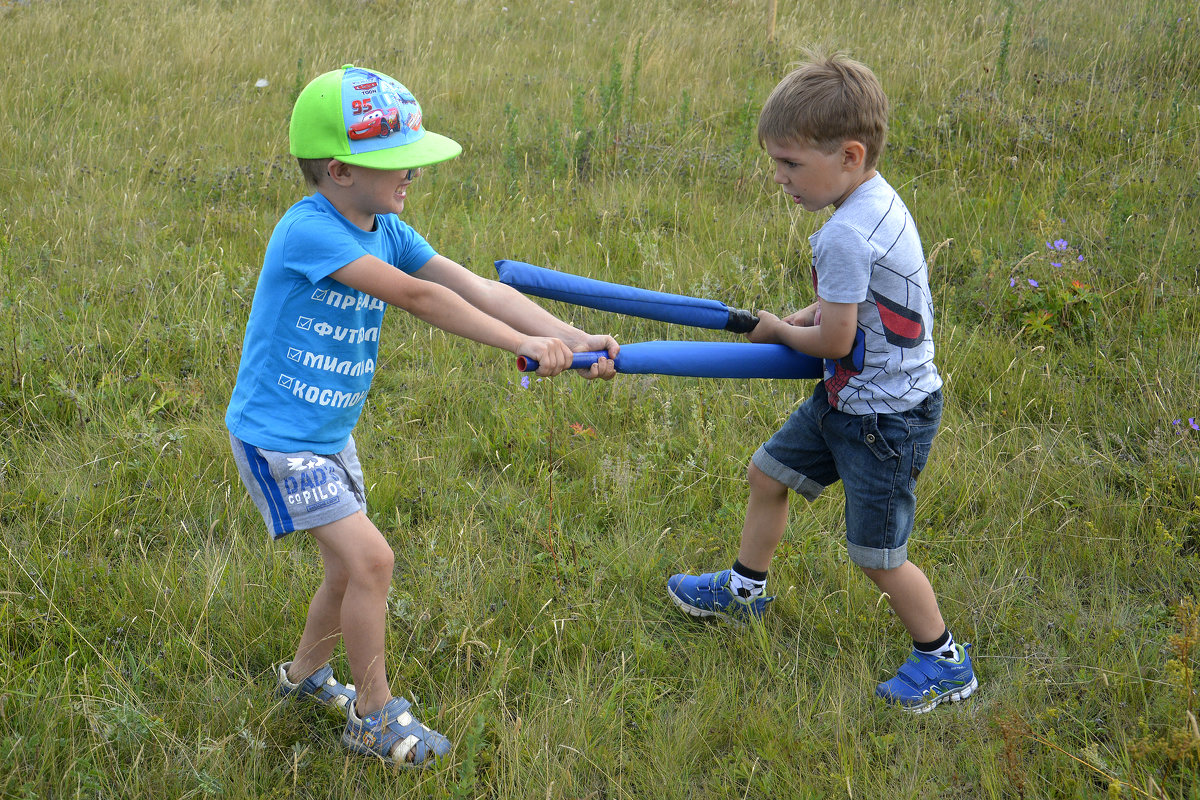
column 854, row 154
column 339, row 172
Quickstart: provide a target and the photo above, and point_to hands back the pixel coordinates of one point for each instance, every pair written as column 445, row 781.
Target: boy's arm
column 515, row 309
column 445, row 309
column 809, row 315
column 823, row 329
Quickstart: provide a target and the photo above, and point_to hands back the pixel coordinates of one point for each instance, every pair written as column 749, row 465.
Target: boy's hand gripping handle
column 578, row 361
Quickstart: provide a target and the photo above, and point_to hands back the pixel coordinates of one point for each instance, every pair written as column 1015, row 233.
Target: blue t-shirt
column 312, row 343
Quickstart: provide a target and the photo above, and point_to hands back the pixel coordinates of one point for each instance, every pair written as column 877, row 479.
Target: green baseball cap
column 364, row 118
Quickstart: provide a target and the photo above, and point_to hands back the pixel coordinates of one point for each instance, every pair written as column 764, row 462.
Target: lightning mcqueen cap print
column 364, row 118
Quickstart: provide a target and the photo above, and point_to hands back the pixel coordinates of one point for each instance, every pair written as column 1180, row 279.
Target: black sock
column 746, row 572
column 942, row 646
column 747, row 582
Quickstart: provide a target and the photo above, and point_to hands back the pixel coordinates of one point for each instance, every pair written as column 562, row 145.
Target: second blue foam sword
column 621, row 299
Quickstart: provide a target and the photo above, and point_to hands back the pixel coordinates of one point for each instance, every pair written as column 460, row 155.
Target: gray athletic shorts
column 299, row 491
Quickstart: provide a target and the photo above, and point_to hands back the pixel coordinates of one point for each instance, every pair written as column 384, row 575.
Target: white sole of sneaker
column 691, row 610
column 952, row 697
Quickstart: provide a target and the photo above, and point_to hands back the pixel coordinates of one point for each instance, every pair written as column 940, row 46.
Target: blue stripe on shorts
column 280, row 519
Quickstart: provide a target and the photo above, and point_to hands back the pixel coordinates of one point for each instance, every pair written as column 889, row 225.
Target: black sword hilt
column 741, row 321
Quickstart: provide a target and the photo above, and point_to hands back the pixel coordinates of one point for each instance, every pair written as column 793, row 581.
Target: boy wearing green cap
column 333, row 264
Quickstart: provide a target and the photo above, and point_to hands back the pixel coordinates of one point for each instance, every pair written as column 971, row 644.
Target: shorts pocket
column 874, row 439
column 920, row 457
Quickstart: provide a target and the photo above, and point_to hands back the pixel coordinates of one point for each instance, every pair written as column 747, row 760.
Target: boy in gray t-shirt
column 871, row 422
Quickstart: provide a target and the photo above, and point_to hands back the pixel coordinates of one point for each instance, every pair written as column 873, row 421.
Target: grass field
column 142, row 605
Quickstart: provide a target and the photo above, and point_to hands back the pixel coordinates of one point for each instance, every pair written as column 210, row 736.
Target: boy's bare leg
column 766, row 519
column 911, row 596
column 353, row 546
column 323, row 628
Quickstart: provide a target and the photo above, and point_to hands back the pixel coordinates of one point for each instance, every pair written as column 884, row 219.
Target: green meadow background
column 142, row 605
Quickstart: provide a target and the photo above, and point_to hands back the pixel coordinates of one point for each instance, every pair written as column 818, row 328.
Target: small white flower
column 262, row 83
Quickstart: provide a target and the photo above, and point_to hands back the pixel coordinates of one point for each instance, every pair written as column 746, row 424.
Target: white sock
column 746, row 588
column 944, row 650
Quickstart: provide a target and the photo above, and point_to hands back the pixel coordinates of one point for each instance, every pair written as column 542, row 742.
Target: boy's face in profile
column 816, row 179
column 384, row 190
column 367, row 192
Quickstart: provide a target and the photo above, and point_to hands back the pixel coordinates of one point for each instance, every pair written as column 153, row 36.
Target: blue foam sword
column 621, row 299
column 701, row 360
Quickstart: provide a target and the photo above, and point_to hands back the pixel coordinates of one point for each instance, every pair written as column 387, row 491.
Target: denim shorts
column 299, row 491
column 877, row 457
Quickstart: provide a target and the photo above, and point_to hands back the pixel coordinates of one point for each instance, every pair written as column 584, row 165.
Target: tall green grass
column 141, row 605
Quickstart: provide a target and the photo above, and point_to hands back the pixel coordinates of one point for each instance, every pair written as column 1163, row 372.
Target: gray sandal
column 320, row 687
column 391, row 733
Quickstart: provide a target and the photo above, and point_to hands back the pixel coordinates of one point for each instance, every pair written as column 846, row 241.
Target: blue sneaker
column 924, row 681
column 709, row 595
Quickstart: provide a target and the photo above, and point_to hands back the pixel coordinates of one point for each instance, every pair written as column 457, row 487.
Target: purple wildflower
column 524, row 381
column 1033, row 283
column 1192, row 422
column 1055, row 264
column 1060, row 244
column 1012, row 282
column 1080, row 257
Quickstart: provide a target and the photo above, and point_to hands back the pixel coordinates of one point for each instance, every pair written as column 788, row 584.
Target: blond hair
column 828, row 100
